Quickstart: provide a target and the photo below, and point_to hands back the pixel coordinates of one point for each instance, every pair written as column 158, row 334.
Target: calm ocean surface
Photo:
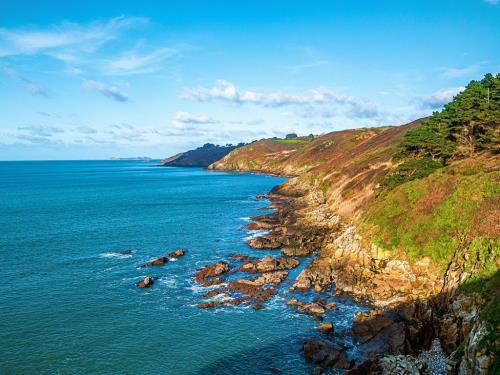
column 68, row 302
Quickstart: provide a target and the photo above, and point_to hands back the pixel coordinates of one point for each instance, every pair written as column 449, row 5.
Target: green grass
column 292, row 141
column 431, row 216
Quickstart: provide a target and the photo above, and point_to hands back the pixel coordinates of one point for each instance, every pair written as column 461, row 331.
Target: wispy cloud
column 41, row 130
column 193, row 118
column 459, row 72
column 494, row 2
column 66, row 40
column 439, row 98
column 134, row 62
column 28, row 85
column 111, row 92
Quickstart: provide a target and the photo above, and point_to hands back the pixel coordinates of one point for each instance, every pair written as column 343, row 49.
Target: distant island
column 201, row 157
column 139, row 158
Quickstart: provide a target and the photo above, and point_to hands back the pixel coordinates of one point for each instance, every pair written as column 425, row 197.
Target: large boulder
column 325, row 353
column 378, row 333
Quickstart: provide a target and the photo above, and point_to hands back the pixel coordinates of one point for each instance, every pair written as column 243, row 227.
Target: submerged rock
column 126, row 252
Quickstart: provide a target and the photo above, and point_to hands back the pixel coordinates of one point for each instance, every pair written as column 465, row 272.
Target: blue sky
column 129, row 78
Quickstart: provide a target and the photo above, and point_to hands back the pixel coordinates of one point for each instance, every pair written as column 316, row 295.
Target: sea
column 68, row 300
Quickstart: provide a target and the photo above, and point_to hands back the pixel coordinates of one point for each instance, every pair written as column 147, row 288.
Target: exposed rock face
column 476, row 360
column 147, row 282
column 325, row 353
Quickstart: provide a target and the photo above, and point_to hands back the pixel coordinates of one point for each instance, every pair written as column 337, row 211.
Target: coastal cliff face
column 405, row 218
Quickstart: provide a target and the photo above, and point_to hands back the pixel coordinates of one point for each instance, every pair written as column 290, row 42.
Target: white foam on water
column 168, row 281
column 255, row 233
column 245, row 218
column 114, row 255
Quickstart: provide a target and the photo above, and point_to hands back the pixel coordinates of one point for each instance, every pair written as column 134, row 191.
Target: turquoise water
column 68, row 300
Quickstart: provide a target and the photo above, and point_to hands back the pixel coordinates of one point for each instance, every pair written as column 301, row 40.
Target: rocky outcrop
column 326, row 353
column 207, row 275
column 268, row 264
column 177, row 253
column 156, row 262
column 147, row 282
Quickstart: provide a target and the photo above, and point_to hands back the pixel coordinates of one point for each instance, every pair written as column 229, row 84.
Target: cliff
column 404, row 217
column 200, row 157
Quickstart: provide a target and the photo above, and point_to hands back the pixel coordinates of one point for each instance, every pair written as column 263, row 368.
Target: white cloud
column 106, row 90
column 228, row 92
column 439, row 98
column 134, row 62
column 64, row 41
column 193, row 118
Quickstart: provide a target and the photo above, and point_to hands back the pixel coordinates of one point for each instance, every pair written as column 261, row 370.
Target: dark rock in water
column 146, row 283
column 177, row 253
column 326, row 353
column 257, row 306
column 156, row 262
column 317, row 371
column 206, row 275
column 126, row 252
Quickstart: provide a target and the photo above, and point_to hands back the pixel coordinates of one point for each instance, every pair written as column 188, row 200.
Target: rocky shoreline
column 416, row 326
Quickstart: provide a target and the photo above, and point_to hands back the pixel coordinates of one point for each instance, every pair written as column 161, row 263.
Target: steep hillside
column 346, row 165
column 419, row 216
column 200, row 157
